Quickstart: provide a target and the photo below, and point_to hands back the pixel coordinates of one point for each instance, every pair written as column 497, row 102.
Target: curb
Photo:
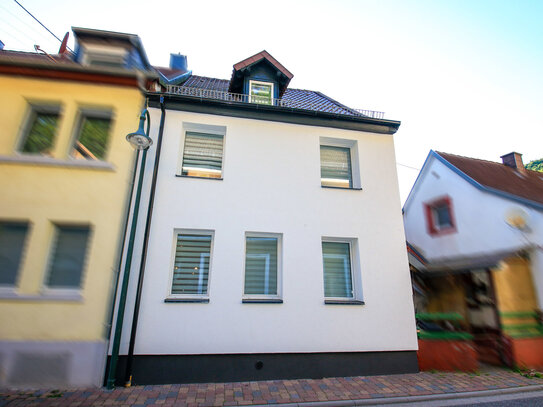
column 409, row 399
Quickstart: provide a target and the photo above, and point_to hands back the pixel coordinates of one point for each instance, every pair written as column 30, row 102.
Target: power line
column 408, row 166
column 48, row 30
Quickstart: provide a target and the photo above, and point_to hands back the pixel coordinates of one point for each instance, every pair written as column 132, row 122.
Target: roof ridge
column 538, row 173
column 473, row 158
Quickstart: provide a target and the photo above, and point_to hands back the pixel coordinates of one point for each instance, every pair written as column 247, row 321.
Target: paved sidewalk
column 370, row 388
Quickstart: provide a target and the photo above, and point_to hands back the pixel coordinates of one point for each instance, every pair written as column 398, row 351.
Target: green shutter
column 336, row 167
column 12, row 239
column 202, row 155
column 68, row 258
column 191, row 266
column 261, row 266
column 337, row 270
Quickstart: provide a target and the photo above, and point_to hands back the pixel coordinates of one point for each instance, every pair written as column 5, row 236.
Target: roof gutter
column 273, row 113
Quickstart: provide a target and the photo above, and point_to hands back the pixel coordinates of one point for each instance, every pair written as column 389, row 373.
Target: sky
column 463, row 76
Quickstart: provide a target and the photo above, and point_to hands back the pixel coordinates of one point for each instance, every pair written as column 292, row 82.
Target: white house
column 475, row 233
column 276, row 245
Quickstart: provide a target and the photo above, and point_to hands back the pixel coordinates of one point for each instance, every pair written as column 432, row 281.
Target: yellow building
column 65, row 175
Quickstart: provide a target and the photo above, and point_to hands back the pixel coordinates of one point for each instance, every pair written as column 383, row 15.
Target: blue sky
column 464, row 77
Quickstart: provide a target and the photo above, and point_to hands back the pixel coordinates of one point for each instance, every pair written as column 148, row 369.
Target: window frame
column 352, row 145
column 264, row 298
column 356, row 278
column 432, row 223
column 33, row 109
column 10, row 288
column 48, row 290
column 203, row 298
column 257, row 82
column 204, row 129
column 96, row 113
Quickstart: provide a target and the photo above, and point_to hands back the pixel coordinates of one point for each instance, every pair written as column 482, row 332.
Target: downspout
column 130, row 356
column 121, row 248
column 112, row 368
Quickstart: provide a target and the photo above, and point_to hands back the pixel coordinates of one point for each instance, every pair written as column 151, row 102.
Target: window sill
column 261, row 301
column 442, row 232
column 56, row 162
column 187, row 300
column 344, row 302
column 192, row 176
column 329, row 187
column 69, row 297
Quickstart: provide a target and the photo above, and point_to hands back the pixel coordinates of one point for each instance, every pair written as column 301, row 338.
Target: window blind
column 12, row 238
column 202, row 155
column 261, row 266
column 68, row 259
column 336, row 167
column 337, row 269
column 191, row 266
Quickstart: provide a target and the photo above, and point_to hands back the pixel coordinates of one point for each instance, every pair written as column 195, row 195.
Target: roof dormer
column 109, row 49
column 261, row 77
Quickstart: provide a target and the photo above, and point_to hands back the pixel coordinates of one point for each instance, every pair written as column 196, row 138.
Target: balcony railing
column 288, row 103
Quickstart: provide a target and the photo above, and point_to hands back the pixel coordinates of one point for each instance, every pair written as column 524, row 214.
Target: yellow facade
column 62, row 190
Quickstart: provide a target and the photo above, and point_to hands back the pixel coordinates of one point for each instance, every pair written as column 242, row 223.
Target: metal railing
column 288, row 103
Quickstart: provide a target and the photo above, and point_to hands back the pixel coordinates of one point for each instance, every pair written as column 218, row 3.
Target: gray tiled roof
column 305, row 99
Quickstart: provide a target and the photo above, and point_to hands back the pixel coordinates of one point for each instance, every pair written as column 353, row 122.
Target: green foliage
column 94, row 136
column 535, row 165
column 42, row 134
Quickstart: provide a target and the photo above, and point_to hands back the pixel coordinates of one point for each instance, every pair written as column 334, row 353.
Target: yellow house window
column 41, row 130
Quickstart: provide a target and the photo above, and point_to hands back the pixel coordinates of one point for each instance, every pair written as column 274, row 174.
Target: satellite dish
column 64, row 44
column 517, row 218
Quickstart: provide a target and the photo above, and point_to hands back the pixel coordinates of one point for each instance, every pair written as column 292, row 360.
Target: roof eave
column 382, row 126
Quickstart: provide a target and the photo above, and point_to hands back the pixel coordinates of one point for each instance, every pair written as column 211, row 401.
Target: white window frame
column 272, row 92
column 170, row 297
column 65, row 291
column 356, row 277
column 102, row 113
column 200, row 128
column 263, row 297
column 355, row 161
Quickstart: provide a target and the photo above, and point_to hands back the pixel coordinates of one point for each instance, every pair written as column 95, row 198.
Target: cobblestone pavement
column 273, row 391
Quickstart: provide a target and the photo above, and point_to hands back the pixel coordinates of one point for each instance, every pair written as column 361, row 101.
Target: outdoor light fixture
column 140, row 139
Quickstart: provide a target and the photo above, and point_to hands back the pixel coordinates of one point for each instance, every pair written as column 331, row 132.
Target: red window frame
column 432, row 228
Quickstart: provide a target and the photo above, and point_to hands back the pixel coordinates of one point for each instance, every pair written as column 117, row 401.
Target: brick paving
column 272, row 391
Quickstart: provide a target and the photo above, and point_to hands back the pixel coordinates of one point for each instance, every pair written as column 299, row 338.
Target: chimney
column 178, row 61
column 513, row 160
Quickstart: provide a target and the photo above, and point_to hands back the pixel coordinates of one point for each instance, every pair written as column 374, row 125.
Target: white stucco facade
column 271, row 184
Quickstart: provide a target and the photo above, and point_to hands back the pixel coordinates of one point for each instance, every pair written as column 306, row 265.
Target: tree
column 535, row 165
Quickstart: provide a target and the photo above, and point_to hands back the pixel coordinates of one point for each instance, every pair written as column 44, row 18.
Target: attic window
column 261, row 92
column 439, row 216
column 101, row 55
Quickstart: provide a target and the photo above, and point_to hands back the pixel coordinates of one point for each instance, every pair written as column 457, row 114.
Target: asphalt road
column 517, row 399
column 524, row 402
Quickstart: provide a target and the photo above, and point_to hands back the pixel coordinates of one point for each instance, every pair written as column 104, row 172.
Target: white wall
column 272, row 184
column 481, row 228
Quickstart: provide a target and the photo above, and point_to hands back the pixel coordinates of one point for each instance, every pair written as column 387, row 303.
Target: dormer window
column 261, row 92
column 106, row 56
